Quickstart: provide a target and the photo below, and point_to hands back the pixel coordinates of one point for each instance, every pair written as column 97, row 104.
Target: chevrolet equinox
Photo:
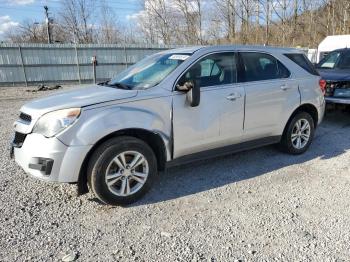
column 170, row 108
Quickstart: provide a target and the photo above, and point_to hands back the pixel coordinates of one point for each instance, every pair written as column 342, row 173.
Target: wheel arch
column 308, row 108
column 153, row 139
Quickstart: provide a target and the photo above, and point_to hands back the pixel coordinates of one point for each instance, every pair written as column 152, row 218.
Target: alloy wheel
column 127, row 173
column 301, row 133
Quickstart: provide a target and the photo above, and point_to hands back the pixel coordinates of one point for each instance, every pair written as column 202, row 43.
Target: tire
column 291, row 145
column 112, row 162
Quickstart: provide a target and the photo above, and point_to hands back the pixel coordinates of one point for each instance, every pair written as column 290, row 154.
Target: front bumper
column 49, row 159
column 334, row 100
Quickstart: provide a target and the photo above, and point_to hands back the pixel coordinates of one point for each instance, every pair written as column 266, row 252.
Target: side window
column 302, row 61
column 212, row 70
column 260, row 66
column 283, row 72
column 344, row 61
column 209, row 68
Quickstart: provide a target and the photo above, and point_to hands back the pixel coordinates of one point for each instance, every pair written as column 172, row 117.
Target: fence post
column 22, row 63
column 77, row 61
column 94, row 64
column 126, row 57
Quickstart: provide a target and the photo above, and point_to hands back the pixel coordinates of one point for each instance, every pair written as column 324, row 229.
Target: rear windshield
column 335, row 60
column 302, row 61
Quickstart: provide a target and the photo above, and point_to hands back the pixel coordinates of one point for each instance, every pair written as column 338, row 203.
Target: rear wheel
column 121, row 170
column 298, row 134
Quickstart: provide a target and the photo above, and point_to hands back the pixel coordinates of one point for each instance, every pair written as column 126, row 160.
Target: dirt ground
column 259, row 205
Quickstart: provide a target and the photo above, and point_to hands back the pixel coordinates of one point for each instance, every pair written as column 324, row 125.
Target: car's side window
column 302, row 61
column 344, row 61
column 212, row 70
column 283, row 72
column 261, row 66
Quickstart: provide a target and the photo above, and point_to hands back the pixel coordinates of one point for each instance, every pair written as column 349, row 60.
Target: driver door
column 218, row 120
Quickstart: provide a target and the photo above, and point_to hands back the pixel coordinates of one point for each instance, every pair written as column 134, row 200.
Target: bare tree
column 270, row 22
column 78, row 18
column 226, row 10
column 190, row 13
column 266, row 17
column 28, row 31
column 108, row 31
column 199, row 20
column 160, row 18
column 280, row 8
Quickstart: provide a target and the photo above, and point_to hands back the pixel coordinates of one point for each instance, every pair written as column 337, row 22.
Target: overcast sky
column 12, row 12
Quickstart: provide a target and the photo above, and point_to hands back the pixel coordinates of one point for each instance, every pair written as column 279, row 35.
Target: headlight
column 54, row 122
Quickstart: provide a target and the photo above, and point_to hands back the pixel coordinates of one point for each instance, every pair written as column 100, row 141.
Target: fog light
column 43, row 165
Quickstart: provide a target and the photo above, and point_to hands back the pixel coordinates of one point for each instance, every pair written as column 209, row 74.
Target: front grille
column 19, row 139
column 25, row 117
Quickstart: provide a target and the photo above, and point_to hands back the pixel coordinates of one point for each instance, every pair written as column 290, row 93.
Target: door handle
column 234, row 96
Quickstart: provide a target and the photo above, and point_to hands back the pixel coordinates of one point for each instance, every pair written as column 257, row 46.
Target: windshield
column 336, row 60
column 148, row 72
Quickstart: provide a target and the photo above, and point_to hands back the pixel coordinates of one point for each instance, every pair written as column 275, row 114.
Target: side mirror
column 193, row 92
column 194, row 95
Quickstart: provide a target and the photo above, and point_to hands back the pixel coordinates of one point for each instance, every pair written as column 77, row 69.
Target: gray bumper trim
column 337, row 100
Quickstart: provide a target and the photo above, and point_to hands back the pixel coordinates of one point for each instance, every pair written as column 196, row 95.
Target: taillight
column 323, row 84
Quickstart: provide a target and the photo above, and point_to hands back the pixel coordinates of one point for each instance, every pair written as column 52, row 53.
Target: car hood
column 79, row 97
column 335, row 74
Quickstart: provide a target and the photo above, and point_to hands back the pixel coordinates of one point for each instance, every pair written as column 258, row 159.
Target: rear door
column 270, row 93
column 218, row 120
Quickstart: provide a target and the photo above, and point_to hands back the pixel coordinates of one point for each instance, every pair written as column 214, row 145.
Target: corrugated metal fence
column 31, row 64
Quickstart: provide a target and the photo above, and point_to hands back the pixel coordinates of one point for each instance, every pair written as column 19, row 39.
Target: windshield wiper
column 118, row 85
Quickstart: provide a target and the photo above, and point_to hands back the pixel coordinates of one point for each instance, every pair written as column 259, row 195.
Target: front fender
column 94, row 124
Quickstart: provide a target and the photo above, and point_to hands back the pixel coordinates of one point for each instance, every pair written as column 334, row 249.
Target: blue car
column 335, row 72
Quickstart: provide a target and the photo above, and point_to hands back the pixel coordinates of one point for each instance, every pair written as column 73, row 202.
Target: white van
column 331, row 43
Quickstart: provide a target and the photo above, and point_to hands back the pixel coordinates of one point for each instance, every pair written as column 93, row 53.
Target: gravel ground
column 259, row 205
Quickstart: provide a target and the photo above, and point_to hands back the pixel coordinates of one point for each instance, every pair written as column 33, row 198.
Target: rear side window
column 302, row 61
column 261, row 66
column 344, row 61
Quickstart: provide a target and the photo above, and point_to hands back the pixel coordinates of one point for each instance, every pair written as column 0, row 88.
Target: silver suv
column 170, row 108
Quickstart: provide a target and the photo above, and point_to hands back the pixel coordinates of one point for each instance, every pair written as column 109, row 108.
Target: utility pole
column 48, row 24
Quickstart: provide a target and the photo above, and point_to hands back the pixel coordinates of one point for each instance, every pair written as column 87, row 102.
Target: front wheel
column 298, row 134
column 121, row 170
